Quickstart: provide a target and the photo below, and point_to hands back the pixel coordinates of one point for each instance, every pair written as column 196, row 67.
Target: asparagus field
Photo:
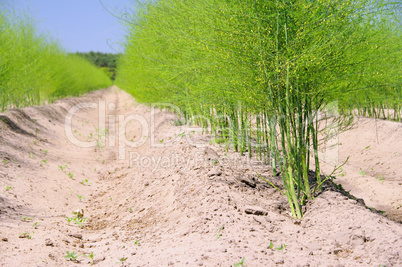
column 258, row 74
column 245, row 133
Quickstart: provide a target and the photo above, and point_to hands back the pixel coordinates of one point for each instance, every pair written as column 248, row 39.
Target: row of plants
column 35, row 69
column 106, row 61
column 258, row 73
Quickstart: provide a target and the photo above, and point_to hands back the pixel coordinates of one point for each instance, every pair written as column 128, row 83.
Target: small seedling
column 361, row 172
column 79, row 213
column 367, row 147
column 241, row 263
column 130, row 209
column 5, row 161
column 31, row 156
column 137, row 242
column 69, row 219
column 35, row 225
column 122, row 260
column 45, row 152
column 380, row 178
column 182, row 134
column 161, row 141
column 219, row 231
column 26, row 219
column 281, row 247
column 72, row 256
column 35, row 142
column 80, row 221
column 91, row 256
column 71, row 175
column 85, row 182
column 80, row 197
column 101, row 134
column 8, row 188
column 271, row 246
column 26, row 235
column 62, row 168
column 44, row 161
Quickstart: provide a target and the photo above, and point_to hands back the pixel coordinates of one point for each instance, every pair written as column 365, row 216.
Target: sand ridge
column 175, row 198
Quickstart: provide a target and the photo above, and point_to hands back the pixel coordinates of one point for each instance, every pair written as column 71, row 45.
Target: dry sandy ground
column 174, row 199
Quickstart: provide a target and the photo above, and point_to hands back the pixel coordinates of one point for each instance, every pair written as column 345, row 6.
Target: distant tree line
column 106, row 61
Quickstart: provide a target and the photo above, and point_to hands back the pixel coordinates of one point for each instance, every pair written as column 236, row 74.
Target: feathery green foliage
column 34, row 69
column 261, row 71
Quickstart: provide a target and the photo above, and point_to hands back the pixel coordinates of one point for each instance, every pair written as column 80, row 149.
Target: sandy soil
column 155, row 194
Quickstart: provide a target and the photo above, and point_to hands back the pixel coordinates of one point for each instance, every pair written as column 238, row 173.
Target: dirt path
column 171, row 198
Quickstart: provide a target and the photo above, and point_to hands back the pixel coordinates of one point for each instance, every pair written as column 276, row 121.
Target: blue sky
column 79, row 25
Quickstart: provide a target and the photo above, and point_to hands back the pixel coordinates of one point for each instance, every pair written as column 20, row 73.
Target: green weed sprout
column 241, row 263
column 91, row 256
column 85, row 182
column 78, row 219
column 380, row 178
column 219, row 232
column 71, row 175
column 80, row 197
column 62, row 168
column 122, row 260
column 26, row 219
column 69, row 219
column 271, row 246
column 26, row 235
column 72, row 256
column 101, row 137
column 281, row 247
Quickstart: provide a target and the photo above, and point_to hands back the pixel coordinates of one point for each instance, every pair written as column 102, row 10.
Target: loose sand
column 176, row 199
